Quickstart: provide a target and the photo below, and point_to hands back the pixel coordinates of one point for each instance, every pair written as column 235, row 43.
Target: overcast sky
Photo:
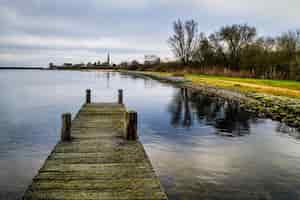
column 36, row 32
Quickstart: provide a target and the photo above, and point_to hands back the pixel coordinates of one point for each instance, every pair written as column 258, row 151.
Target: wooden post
column 66, row 127
column 186, row 94
column 120, row 96
column 182, row 92
column 88, row 96
column 131, row 132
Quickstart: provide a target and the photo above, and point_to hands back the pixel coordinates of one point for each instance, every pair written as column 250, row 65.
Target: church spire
column 108, row 58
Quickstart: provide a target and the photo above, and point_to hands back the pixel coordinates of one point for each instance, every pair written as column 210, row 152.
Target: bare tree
column 183, row 41
column 236, row 37
column 287, row 43
column 298, row 46
column 237, row 47
column 191, row 31
column 218, row 48
column 204, row 51
column 298, row 39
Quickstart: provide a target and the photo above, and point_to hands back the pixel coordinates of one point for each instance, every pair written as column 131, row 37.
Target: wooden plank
column 98, row 163
column 98, row 184
column 94, row 195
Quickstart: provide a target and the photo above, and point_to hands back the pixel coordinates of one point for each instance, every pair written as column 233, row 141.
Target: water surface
column 201, row 147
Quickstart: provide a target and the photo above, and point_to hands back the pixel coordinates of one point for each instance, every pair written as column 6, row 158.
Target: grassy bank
column 274, row 87
column 245, row 85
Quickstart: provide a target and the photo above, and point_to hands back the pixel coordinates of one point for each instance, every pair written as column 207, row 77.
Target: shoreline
column 23, row 68
column 283, row 109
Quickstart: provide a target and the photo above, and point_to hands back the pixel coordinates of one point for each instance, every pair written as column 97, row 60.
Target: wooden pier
column 99, row 157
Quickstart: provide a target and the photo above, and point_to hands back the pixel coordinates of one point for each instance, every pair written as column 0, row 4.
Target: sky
column 36, row 32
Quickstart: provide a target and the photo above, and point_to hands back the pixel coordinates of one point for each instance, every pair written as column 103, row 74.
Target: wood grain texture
column 98, row 163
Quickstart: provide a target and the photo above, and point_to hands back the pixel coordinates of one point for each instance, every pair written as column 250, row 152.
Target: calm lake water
column 201, row 148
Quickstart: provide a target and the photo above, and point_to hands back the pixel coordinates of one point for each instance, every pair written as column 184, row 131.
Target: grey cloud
column 62, row 28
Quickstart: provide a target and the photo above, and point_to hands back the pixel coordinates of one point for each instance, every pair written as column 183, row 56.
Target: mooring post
column 182, row 92
column 120, row 96
column 131, row 132
column 185, row 92
column 66, row 127
column 88, row 96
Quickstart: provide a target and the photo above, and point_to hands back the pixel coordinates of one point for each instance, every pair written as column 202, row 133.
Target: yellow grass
column 274, row 87
column 244, row 86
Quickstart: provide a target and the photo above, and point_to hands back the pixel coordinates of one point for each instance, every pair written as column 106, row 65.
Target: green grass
column 295, row 85
column 274, row 87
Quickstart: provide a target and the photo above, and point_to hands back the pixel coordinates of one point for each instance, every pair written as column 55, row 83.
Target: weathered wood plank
column 94, row 195
column 105, row 174
column 102, row 185
column 98, row 163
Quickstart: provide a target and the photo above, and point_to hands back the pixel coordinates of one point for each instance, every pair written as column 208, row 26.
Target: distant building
column 90, row 64
column 67, row 65
column 124, row 64
column 79, row 65
column 107, row 63
column 52, row 66
column 151, row 60
column 167, row 60
column 82, row 65
column 104, row 64
column 108, row 59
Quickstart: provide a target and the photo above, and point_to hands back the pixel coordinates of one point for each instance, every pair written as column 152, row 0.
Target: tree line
column 237, row 48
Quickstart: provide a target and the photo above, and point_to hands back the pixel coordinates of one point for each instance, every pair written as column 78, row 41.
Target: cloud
column 117, row 4
column 127, row 27
column 288, row 9
column 32, row 50
column 61, row 42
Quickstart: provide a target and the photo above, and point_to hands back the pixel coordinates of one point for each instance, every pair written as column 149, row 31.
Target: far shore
column 23, row 68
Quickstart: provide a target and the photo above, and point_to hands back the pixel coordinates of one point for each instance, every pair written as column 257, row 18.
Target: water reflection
column 180, row 130
column 180, row 109
column 227, row 117
column 107, row 79
column 287, row 130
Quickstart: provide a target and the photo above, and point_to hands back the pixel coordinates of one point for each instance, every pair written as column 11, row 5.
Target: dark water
column 202, row 148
